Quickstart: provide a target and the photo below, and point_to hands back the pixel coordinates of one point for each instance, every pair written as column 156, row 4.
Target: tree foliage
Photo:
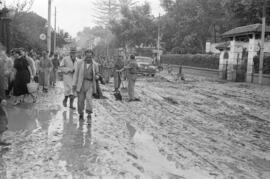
column 105, row 11
column 26, row 29
column 136, row 27
column 188, row 24
column 19, row 5
column 99, row 38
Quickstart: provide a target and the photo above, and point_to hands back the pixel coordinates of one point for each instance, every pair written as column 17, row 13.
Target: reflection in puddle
column 30, row 118
column 152, row 164
column 76, row 142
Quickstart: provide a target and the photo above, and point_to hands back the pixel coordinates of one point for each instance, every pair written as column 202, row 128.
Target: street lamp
column 5, row 19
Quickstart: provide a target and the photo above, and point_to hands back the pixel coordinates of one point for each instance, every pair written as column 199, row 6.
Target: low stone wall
column 211, row 73
column 206, row 72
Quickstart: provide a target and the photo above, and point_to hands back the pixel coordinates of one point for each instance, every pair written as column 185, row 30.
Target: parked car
column 146, row 65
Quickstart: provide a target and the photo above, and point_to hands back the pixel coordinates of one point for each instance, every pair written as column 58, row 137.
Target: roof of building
column 246, row 30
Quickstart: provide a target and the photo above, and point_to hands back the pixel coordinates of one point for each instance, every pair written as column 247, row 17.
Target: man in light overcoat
column 67, row 67
column 84, row 83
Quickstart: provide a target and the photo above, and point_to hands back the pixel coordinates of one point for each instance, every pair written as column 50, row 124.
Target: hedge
column 196, row 60
column 266, row 64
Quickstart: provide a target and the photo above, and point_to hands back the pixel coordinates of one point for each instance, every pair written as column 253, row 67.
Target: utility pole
column 49, row 27
column 262, row 42
column 158, row 41
column 55, row 31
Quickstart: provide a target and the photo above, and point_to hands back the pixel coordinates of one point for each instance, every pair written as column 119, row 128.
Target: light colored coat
column 67, row 67
column 79, row 75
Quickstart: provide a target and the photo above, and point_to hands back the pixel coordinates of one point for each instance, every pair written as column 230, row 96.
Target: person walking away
column 23, row 76
column 119, row 64
column 3, row 102
column 132, row 71
column 56, row 64
column 67, row 66
column 84, row 83
column 45, row 66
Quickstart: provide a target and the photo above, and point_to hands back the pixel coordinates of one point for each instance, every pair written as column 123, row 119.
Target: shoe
column 81, row 117
column 71, row 103
column 17, row 102
column 88, row 112
column 3, row 143
column 73, row 108
column 65, row 101
column 89, row 117
column 35, row 99
column 136, row 99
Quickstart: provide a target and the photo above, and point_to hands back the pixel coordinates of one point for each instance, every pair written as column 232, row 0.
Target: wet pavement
column 192, row 130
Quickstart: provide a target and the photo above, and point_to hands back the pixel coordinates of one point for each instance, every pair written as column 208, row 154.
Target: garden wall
column 196, row 60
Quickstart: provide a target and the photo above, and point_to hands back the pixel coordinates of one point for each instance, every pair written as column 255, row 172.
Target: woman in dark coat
column 22, row 77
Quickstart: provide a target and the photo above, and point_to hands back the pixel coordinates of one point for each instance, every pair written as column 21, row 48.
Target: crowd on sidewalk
column 81, row 77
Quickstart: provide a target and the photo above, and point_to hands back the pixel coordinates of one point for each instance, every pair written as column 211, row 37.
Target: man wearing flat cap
column 84, row 83
column 67, row 67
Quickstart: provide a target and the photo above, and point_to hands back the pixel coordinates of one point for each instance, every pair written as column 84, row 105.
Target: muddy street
column 195, row 129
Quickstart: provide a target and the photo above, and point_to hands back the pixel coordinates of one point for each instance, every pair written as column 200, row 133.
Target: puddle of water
column 152, row 164
column 30, row 118
column 76, row 142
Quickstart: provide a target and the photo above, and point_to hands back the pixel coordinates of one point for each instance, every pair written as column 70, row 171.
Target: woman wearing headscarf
column 23, row 76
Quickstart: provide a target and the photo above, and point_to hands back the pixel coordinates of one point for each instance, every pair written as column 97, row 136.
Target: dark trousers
column 10, row 87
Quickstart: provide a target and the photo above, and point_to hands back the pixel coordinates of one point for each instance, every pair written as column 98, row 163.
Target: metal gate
column 241, row 67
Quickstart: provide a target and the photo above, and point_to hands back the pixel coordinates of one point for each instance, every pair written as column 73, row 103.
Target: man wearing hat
column 132, row 71
column 84, row 83
column 67, row 66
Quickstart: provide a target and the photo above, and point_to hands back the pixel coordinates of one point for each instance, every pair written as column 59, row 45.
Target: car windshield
column 144, row 60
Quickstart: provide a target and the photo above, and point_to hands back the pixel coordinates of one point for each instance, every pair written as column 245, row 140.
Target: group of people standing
column 22, row 67
column 81, row 78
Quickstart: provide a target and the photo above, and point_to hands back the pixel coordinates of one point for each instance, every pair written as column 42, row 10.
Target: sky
column 74, row 15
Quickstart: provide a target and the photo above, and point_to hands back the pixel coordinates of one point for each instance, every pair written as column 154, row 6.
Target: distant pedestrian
column 119, row 64
column 45, row 67
column 84, row 83
column 56, row 64
column 132, row 71
column 67, row 67
column 107, row 70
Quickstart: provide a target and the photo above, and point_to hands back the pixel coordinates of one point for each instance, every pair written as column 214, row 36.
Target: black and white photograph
column 134, row 89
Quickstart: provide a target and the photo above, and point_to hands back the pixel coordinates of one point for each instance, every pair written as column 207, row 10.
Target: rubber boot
column 65, row 101
column 71, row 100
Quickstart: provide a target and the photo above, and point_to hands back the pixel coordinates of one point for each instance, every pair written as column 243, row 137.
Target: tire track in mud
column 237, row 157
column 166, row 121
column 157, row 105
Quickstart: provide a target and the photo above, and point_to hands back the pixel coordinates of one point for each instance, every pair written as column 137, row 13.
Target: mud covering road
column 196, row 129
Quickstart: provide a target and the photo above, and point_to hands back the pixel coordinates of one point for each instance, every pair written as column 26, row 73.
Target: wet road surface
column 177, row 131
